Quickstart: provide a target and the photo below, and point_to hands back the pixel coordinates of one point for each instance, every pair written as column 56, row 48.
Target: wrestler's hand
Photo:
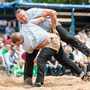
column 55, row 31
column 49, row 39
column 43, row 18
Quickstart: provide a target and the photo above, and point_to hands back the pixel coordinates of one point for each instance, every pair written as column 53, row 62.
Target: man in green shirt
column 6, row 49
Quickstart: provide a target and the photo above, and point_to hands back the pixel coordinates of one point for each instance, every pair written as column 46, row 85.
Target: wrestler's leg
column 28, row 70
column 66, row 37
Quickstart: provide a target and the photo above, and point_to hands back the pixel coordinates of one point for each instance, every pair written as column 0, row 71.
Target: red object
column 23, row 56
column 8, row 42
column 78, row 76
column 35, row 60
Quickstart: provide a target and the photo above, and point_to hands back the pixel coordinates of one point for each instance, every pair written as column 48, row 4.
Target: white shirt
column 33, row 36
column 37, row 12
column 78, row 56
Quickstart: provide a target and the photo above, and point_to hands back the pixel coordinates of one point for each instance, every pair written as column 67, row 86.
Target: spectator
column 88, row 40
column 35, row 67
column 81, row 38
column 4, row 38
column 6, row 49
column 8, row 42
column 77, row 37
column 68, row 51
column 70, row 31
column 88, row 67
column 83, row 33
column 11, row 60
column 9, row 30
column 18, row 69
column 54, row 67
column 1, row 46
column 2, row 62
column 78, row 56
column 1, row 39
column 64, row 45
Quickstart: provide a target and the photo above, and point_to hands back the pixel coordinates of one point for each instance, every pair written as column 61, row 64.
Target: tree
column 58, row 1
column 63, row 1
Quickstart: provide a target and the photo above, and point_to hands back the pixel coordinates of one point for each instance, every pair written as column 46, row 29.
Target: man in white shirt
column 78, row 58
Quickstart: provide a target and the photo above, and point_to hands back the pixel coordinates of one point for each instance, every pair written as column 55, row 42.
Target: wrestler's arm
column 42, row 45
column 48, row 13
column 39, row 20
column 52, row 14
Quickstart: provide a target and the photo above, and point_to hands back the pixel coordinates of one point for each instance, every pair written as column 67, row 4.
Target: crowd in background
column 12, row 57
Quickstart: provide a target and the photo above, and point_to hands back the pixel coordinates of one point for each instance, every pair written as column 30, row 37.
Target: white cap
column 64, row 44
